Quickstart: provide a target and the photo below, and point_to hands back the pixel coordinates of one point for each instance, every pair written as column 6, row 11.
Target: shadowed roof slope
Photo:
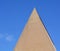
column 34, row 36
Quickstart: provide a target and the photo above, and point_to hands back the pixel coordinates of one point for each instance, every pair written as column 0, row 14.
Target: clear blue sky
column 15, row 13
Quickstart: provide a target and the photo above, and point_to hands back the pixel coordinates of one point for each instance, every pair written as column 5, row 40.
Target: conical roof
column 34, row 36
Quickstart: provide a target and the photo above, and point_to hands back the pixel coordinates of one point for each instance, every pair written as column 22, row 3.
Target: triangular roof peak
column 34, row 16
column 34, row 9
column 34, row 36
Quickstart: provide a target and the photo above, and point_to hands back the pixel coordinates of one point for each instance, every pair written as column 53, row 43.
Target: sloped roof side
column 34, row 36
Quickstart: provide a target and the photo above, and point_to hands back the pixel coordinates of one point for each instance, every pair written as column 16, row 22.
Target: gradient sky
column 15, row 13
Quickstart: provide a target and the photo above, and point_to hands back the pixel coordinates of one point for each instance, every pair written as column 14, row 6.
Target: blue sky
column 15, row 13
